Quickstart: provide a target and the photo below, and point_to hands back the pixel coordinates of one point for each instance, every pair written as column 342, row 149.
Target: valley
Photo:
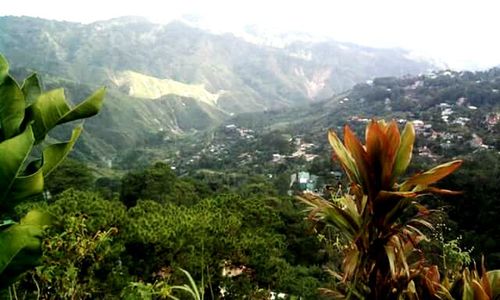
column 227, row 162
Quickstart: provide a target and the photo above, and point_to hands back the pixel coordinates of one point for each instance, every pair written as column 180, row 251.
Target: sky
column 464, row 34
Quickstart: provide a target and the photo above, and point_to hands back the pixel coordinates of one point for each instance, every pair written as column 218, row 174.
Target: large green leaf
column 52, row 109
column 12, row 107
column 88, row 108
column 47, row 111
column 26, row 186
column 36, row 217
column 31, row 89
column 20, row 247
column 32, row 184
column 4, row 68
column 13, row 153
column 26, row 116
column 54, row 154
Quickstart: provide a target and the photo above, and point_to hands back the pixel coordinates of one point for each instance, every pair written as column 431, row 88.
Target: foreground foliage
column 27, row 115
column 380, row 219
column 145, row 246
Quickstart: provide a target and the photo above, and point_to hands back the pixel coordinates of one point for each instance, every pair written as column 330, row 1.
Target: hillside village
column 448, row 122
column 230, row 161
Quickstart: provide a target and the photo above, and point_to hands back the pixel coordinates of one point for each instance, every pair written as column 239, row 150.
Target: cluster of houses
column 243, row 132
column 452, row 115
column 302, row 149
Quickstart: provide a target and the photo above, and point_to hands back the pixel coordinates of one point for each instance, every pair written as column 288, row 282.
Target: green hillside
column 196, row 78
column 252, row 77
column 456, row 116
column 128, row 122
column 149, row 87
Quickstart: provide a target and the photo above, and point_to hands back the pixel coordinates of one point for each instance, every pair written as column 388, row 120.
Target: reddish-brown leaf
column 479, row 292
column 438, row 191
column 359, row 155
column 392, row 141
column 373, row 140
column 431, row 176
column 376, row 141
column 387, row 200
column 433, row 278
column 484, row 280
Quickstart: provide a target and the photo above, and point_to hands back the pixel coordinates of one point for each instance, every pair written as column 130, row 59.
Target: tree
column 379, row 218
column 27, row 115
column 70, row 174
column 81, row 251
column 152, row 184
column 158, row 183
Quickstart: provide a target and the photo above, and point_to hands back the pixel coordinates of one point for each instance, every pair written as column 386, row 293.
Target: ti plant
column 380, row 218
column 27, row 114
column 470, row 285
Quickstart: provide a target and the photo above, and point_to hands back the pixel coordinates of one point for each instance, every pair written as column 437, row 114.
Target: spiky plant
column 195, row 292
column 380, row 218
column 27, row 114
column 471, row 285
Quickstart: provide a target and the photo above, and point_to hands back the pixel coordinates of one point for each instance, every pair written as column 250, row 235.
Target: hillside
column 455, row 113
column 168, row 80
column 148, row 87
column 246, row 76
column 129, row 122
column 456, row 116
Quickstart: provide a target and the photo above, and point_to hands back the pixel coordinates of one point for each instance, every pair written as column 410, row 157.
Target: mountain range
column 176, row 79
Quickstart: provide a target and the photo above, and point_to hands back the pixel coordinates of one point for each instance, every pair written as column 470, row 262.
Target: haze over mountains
column 246, row 76
column 176, row 78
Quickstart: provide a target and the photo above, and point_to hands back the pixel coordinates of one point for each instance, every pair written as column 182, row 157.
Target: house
column 476, row 142
column 336, row 174
column 492, row 119
column 303, row 181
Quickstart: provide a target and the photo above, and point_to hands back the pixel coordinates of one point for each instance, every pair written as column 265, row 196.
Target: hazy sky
column 462, row 33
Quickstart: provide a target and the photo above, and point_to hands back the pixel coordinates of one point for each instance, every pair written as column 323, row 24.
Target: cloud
column 463, row 33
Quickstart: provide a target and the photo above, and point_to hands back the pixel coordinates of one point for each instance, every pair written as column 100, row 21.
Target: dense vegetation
column 473, row 99
column 27, row 115
column 107, row 242
column 220, row 204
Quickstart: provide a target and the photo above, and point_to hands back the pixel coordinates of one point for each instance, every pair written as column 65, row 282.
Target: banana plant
column 27, row 114
column 382, row 259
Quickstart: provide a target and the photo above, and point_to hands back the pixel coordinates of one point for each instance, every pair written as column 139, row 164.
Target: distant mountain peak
column 126, row 20
column 276, row 70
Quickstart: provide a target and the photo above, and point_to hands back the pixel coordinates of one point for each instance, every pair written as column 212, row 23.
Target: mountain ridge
column 198, row 79
column 85, row 52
